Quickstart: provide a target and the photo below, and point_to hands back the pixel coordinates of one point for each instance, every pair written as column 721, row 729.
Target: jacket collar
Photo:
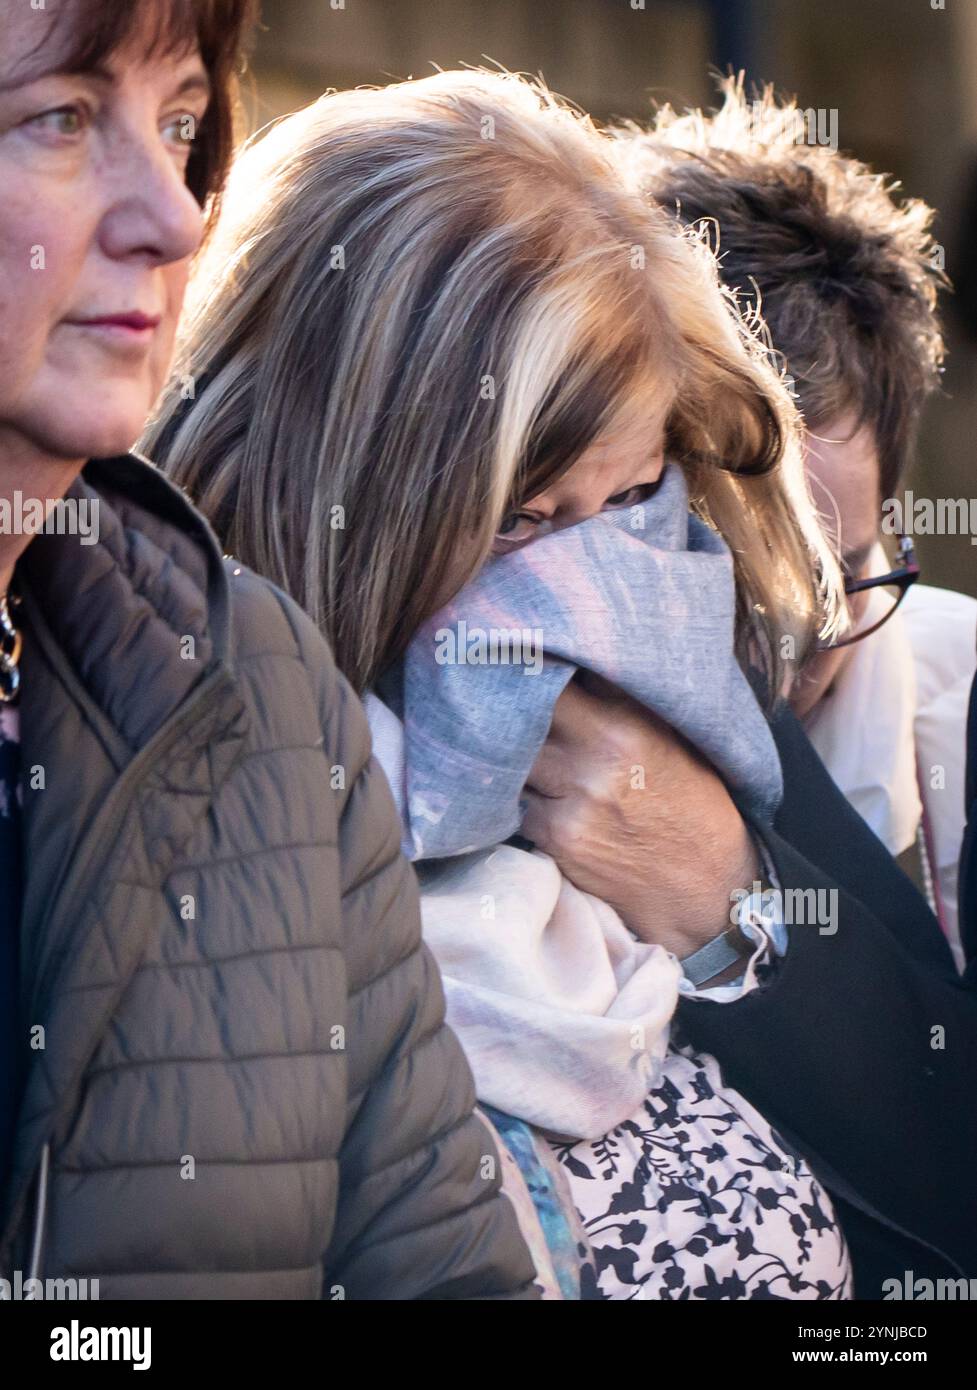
column 142, row 615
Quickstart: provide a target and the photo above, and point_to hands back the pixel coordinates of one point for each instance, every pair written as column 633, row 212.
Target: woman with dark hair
column 225, row 1072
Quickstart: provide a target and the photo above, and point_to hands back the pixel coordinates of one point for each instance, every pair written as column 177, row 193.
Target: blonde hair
column 420, row 305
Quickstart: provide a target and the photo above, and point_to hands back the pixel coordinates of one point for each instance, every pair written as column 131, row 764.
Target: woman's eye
column 517, row 526
column 628, row 498
column 63, row 120
column 181, row 130
column 633, row 495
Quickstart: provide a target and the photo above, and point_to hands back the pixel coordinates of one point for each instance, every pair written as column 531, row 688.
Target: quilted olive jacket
column 239, row 1081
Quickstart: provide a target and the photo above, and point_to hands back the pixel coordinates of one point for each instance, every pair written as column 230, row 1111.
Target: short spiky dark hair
column 842, row 270
column 92, row 30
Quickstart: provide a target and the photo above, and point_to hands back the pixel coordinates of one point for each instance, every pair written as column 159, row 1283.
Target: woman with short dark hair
column 227, row 1073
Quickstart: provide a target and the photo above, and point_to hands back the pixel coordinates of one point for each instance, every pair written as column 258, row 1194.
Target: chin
column 109, row 442
column 105, row 440
column 79, row 431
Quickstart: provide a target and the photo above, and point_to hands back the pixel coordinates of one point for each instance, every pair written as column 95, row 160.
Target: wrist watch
column 755, row 913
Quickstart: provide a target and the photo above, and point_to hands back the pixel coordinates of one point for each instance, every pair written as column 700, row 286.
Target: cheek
column 48, row 224
column 39, row 265
column 858, row 606
column 175, row 278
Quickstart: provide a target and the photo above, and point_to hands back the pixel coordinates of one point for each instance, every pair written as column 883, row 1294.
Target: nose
column 151, row 214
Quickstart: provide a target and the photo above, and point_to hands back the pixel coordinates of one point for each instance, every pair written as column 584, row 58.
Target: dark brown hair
column 842, row 270
column 220, row 28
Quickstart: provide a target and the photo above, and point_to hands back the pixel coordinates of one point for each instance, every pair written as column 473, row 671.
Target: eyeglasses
column 896, row 585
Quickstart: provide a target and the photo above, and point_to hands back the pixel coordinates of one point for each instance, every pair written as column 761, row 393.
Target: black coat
column 841, row 1051
column 968, row 858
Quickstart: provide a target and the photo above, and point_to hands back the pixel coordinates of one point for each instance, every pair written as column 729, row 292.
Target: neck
column 34, row 474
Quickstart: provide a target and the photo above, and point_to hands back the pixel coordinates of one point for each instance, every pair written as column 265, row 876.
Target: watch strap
column 717, row 955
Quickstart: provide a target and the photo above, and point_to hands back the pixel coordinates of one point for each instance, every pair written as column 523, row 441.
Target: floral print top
column 696, row 1197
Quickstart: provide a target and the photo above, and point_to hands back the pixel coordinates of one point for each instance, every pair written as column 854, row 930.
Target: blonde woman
column 438, row 350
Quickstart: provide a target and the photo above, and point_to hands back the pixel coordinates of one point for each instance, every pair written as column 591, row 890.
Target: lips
column 134, row 320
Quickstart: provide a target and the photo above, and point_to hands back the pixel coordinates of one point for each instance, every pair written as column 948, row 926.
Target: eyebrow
column 196, row 83
column 25, row 74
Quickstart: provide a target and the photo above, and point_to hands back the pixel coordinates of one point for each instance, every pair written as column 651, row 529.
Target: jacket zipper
column 82, row 874
column 40, row 1214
